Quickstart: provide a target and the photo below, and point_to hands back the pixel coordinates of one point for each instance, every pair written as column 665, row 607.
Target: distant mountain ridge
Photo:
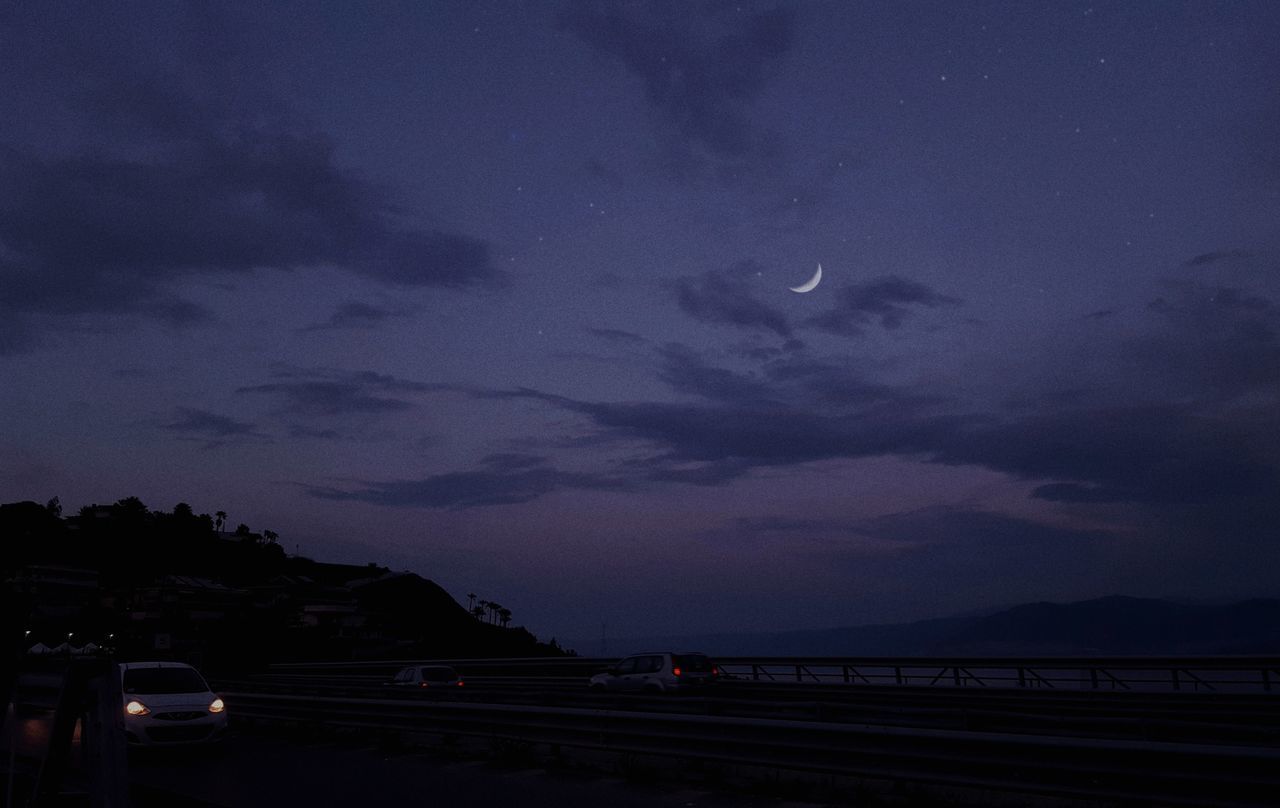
column 1111, row 626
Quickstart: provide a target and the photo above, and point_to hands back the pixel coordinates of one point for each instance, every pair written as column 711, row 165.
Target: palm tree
column 220, row 521
column 482, row 607
column 504, row 616
column 270, row 536
column 471, row 601
column 494, row 608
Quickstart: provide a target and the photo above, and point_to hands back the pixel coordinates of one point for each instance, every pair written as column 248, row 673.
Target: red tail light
column 715, row 671
column 459, row 683
column 676, row 671
column 423, row 684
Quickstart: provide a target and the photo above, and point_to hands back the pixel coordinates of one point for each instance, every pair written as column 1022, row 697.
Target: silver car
column 169, row 703
column 658, row 672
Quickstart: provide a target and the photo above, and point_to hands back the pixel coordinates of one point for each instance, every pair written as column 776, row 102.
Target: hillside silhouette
column 147, row 583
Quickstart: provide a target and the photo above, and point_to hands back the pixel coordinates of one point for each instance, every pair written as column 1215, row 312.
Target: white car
column 658, row 672
column 168, row 703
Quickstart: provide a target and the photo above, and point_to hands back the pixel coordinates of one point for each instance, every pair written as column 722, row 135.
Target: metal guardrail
column 1163, row 773
column 1223, row 674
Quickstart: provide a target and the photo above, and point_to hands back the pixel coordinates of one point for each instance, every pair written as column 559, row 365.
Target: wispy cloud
column 725, row 297
column 325, row 392
column 700, row 68
column 214, row 429
column 354, row 315
column 888, row 301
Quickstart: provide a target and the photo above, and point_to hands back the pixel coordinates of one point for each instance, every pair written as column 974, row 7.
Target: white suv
column 658, row 672
column 168, row 703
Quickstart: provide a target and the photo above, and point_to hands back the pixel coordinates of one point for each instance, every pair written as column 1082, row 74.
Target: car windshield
column 696, row 663
column 438, row 674
column 163, row 680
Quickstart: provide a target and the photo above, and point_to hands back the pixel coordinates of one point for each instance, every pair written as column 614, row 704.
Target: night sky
column 498, row 292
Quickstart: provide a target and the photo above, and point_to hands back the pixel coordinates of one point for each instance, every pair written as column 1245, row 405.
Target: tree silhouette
column 504, row 616
column 270, row 536
column 131, row 510
column 471, row 601
column 54, row 507
column 220, row 521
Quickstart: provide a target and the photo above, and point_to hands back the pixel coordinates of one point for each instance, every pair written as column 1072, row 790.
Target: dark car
column 427, row 676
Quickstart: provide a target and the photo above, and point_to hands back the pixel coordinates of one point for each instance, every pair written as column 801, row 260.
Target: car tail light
column 676, row 671
column 715, row 671
column 423, row 684
column 459, row 683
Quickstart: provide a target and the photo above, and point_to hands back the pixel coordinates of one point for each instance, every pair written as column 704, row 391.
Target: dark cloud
column 842, row 385
column 700, row 69
column 355, row 314
column 757, row 433
column 785, row 524
column 1212, row 342
column 758, row 352
column 686, row 372
column 1208, row 258
column 184, row 190
column 793, row 381
column 666, row 469
column 472, row 489
column 992, row 531
column 725, row 297
column 615, row 335
column 890, row 300
column 1124, row 454
column 1152, row 455
column 512, row 460
column 196, row 424
column 321, row 392
column 302, row 431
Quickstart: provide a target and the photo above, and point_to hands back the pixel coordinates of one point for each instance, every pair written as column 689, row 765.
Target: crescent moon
column 812, row 284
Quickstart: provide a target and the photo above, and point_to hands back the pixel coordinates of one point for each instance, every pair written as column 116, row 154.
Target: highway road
column 329, row 736
column 265, row 770
column 256, row 771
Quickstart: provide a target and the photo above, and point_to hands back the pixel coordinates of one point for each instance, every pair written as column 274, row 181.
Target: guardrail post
column 897, row 673
column 1176, row 684
column 1093, row 677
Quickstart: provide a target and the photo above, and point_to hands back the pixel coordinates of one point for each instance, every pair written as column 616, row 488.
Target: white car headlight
column 216, row 706
column 136, row 708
